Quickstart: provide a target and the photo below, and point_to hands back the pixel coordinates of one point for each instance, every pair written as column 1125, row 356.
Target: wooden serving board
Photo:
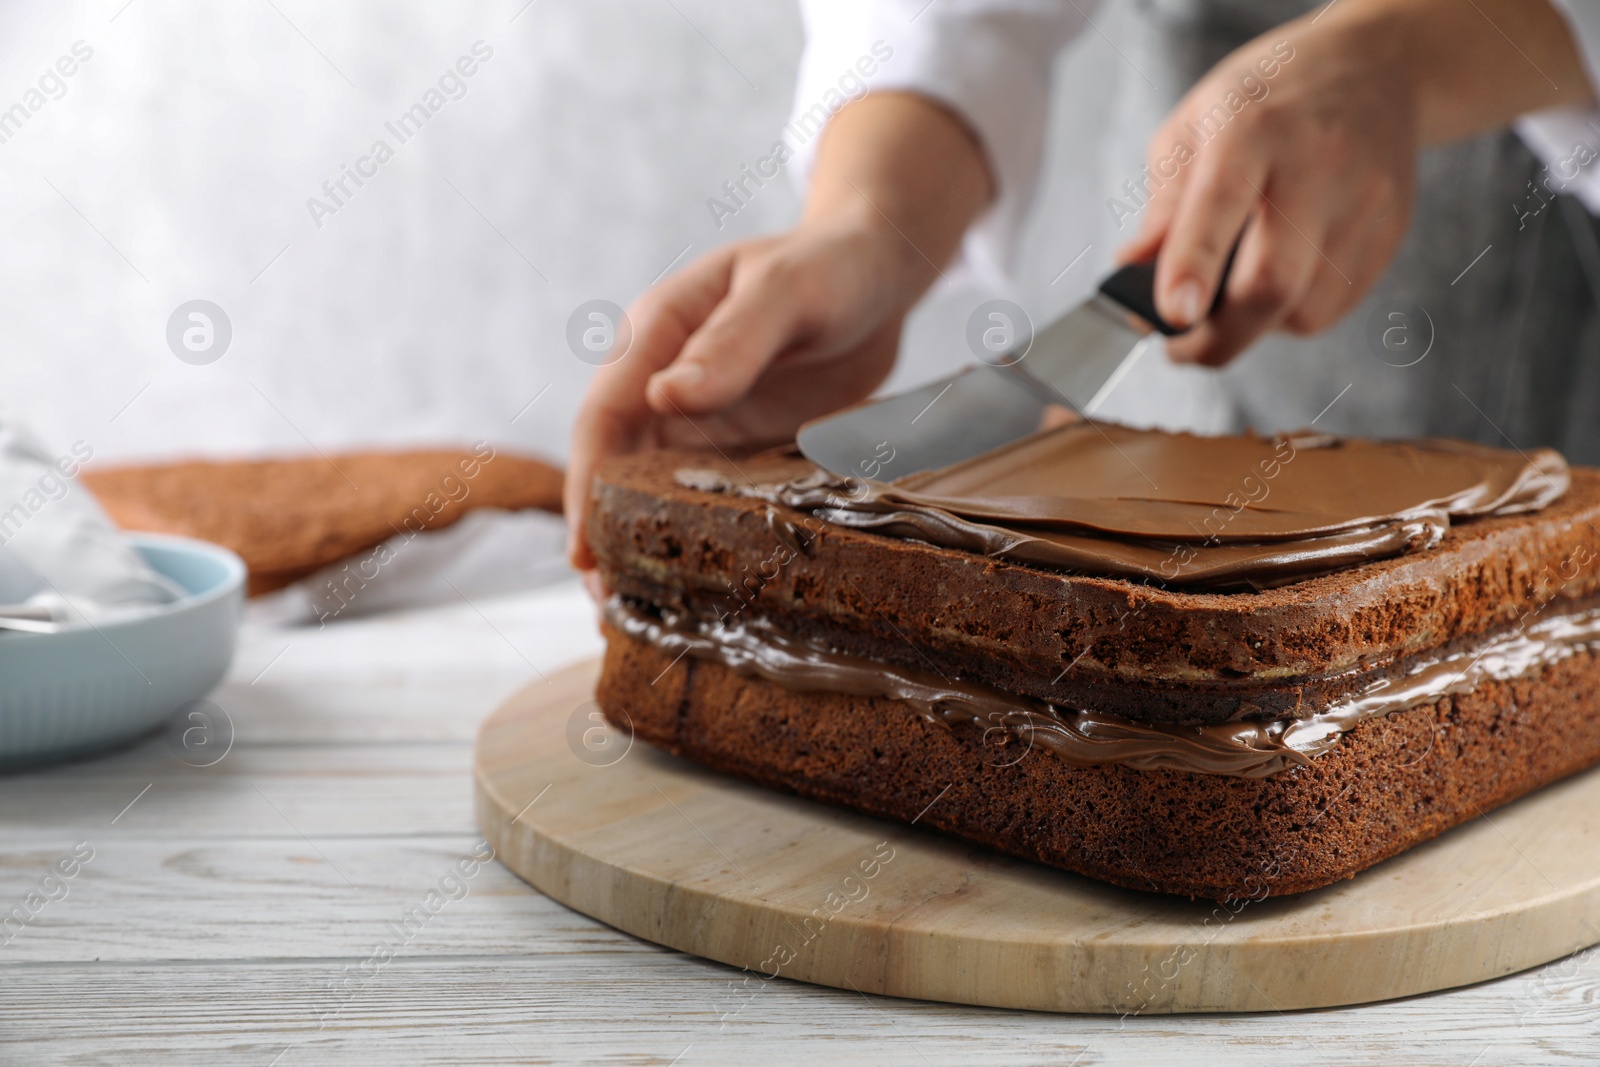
column 685, row 857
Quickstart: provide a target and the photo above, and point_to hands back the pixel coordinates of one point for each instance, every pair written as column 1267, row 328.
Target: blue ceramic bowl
column 86, row 687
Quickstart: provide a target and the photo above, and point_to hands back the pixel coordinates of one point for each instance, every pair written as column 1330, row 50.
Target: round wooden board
column 685, row 857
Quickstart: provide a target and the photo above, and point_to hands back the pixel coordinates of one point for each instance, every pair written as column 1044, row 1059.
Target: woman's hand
column 741, row 347
column 745, row 344
column 1306, row 139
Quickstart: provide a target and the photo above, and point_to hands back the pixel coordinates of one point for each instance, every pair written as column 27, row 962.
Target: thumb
column 733, row 347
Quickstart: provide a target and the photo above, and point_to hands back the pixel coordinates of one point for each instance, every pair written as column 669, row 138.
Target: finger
column 1168, row 179
column 1274, row 268
column 1213, row 206
column 759, row 319
column 1145, row 244
column 796, row 389
column 614, row 416
column 1055, row 415
column 599, row 433
column 1154, row 228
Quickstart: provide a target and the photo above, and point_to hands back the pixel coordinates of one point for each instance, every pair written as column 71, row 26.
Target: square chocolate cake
column 1219, row 667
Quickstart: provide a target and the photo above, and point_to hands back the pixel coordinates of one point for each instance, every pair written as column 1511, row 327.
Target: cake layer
column 1131, row 648
column 287, row 518
column 1390, row 783
column 1016, row 724
column 1241, row 512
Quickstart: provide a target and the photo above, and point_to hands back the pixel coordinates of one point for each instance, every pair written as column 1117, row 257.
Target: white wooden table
column 230, row 914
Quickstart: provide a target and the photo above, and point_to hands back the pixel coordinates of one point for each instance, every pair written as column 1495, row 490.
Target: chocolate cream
column 1183, row 510
column 1246, row 749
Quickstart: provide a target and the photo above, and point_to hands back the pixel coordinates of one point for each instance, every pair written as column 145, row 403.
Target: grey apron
column 1514, row 358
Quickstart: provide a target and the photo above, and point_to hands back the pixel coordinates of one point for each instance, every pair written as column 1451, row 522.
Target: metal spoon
column 29, row 619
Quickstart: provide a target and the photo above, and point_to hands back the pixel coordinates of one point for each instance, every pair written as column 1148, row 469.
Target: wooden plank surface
column 649, row 1007
column 215, row 912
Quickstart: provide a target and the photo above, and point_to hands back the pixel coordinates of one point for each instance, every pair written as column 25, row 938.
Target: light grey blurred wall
column 432, row 306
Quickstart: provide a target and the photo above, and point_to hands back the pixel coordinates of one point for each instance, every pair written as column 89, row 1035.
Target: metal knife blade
column 1076, row 361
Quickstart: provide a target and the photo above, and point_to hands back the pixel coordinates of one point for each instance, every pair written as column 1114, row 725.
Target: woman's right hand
column 748, row 342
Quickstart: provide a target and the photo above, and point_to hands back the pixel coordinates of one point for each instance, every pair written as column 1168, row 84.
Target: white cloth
column 57, row 547
column 489, row 553
column 59, row 550
column 991, row 61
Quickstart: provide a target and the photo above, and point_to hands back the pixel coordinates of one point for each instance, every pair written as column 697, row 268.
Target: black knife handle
column 1134, row 287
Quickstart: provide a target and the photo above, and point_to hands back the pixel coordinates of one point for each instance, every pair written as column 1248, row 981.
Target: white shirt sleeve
column 1567, row 140
column 989, row 61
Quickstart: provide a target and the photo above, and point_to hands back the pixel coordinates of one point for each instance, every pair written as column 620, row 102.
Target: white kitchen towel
column 490, row 552
column 57, row 547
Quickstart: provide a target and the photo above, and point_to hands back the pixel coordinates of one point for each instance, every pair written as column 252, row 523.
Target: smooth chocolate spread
column 1184, row 510
column 1247, row 749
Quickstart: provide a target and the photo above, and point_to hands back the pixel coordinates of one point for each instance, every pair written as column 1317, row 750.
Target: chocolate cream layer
column 1184, row 510
column 1247, row 749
